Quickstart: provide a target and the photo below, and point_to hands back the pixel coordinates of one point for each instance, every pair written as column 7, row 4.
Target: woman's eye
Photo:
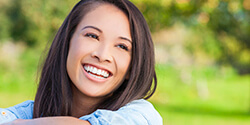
column 92, row 36
column 123, row 47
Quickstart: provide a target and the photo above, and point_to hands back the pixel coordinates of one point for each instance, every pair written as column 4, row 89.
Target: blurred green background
column 202, row 53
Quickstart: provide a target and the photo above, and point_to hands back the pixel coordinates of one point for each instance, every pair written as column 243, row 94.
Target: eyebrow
column 93, row 27
column 124, row 38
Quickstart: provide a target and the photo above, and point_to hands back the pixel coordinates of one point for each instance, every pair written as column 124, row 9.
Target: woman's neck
column 82, row 104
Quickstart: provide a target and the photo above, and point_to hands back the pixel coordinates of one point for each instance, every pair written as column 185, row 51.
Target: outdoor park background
column 202, row 53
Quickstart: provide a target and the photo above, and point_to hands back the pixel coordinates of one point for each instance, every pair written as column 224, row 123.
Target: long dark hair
column 54, row 94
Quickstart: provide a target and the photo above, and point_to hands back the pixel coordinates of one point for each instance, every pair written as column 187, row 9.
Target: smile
column 96, row 72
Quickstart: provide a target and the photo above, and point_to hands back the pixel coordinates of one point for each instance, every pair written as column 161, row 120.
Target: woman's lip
column 98, row 67
column 93, row 78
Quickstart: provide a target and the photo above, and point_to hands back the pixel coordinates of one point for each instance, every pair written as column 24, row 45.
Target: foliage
column 223, row 23
column 220, row 25
column 33, row 21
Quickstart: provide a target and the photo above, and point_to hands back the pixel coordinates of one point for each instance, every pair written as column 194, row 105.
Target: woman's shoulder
column 146, row 109
column 137, row 112
column 138, row 103
column 23, row 110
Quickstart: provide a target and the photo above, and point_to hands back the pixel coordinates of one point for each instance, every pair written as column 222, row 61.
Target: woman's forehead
column 108, row 18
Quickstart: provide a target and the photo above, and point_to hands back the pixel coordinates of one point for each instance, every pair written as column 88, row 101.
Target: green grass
column 226, row 102
column 223, row 97
column 18, row 78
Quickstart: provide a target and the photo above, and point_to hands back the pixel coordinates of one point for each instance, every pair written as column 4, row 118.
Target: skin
column 102, row 40
column 63, row 120
column 110, row 51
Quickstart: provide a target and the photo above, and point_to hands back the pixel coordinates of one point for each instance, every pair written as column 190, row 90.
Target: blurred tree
column 231, row 19
column 226, row 22
column 33, row 21
column 4, row 20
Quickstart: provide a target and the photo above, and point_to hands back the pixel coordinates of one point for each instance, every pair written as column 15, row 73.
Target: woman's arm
column 60, row 120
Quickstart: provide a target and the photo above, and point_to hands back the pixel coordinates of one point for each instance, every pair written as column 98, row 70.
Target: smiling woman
column 99, row 70
column 97, row 44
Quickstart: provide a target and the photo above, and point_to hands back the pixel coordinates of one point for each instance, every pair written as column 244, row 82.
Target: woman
column 99, row 70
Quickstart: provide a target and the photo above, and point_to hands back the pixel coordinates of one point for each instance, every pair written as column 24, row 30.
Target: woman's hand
column 61, row 120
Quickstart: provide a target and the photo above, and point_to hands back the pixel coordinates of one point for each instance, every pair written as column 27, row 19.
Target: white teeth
column 102, row 72
column 99, row 77
column 86, row 68
column 105, row 74
column 99, row 72
column 94, row 70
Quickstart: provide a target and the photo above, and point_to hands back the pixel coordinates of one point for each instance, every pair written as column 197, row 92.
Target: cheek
column 71, row 65
column 73, row 59
column 76, row 51
column 123, row 62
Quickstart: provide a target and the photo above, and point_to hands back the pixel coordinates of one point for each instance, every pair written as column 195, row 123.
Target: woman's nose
column 102, row 53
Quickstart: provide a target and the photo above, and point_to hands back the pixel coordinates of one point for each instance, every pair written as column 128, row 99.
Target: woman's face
column 100, row 51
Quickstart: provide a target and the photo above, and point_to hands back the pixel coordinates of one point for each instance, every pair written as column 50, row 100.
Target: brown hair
column 54, row 94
